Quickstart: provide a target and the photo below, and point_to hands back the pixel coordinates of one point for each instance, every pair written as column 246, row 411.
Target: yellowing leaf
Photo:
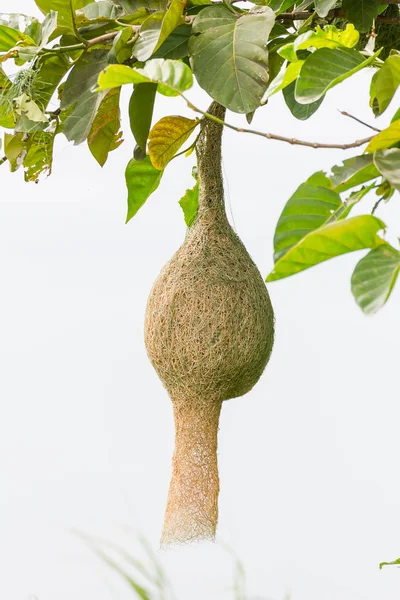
column 386, row 138
column 167, row 136
column 105, row 134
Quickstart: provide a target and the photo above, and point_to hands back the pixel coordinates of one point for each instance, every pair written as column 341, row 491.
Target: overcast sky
column 310, row 490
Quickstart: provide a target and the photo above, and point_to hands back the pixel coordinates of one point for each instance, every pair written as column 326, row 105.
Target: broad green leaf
column 299, row 111
column 156, row 29
column 78, row 124
column 105, row 135
column 47, row 28
column 7, row 115
column 229, row 55
column 385, row 84
column 142, row 179
column 9, row 38
column 190, row 204
column 141, row 107
column 354, row 171
column 65, row 10
column 309, row 208
column 374, row 277
column 121, row 50
column 388, row 164
column 173, row 76
column 150, row 32
column 39, row 156
column 361, row 12
column 132, row 6
column 21, row 22
column 386, row 138
column 325, row 68
column 78, row 89
column 176, row 45
column 83, row 76
column 327, row 242
column 287, row 75
column 25, row 125
column 322, row 7
column 14, row 146
column 328, row 37
column 167, row 136
column 100, row 10
column 50, row 70
column 24, row 105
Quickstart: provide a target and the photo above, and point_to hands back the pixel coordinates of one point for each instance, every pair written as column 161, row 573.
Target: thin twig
column 274, row 136
column 346, row 114
column 377, row 203
column 99, row 40
column 3, row 160
column 333, row 14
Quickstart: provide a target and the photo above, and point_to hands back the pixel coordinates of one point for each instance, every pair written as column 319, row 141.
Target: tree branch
column 274, row 136
column 333, row 14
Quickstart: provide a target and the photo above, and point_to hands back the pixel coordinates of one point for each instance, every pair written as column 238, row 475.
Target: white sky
column 308, row 460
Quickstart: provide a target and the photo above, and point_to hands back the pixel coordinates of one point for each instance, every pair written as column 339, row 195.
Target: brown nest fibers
column 209, row 332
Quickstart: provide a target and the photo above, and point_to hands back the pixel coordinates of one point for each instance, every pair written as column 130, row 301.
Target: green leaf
column 105, row 134
column 167, row 136
column 7, row 115
column 386, row 138
column 299, row 111
column 50, row 70
column 132, row 6
column 322, row 7
column 361, row 12
column 229, row 55
column 328, row 37
column 385, row 84
column 121, row 50
column 14, row 146
column 78, row 91
column 310, row 207
column 190, row 204
column 24, row 105
column 142, row 179
column 39, row 156
column 101, row 10
column 325, row 68
column 48, row 26
column 176, row 45
column 156, row 29
column 388, row 164
column 173, row 76
column 141, row 107
column 388, row 564
column 327, row 242
column 354, row 171
column 9, row 38
column 285, row 77
column 374, row 277
column 65, row 9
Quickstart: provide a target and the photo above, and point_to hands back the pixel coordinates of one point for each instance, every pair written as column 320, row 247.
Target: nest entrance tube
column 209, row 332
column 192, row 507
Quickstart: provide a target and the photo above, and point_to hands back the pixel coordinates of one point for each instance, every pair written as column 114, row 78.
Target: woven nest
column 209, row 332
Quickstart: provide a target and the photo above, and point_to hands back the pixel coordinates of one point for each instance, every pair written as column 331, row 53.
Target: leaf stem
column 3, row 160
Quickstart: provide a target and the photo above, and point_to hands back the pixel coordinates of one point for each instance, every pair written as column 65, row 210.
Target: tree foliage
column 72, row 65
